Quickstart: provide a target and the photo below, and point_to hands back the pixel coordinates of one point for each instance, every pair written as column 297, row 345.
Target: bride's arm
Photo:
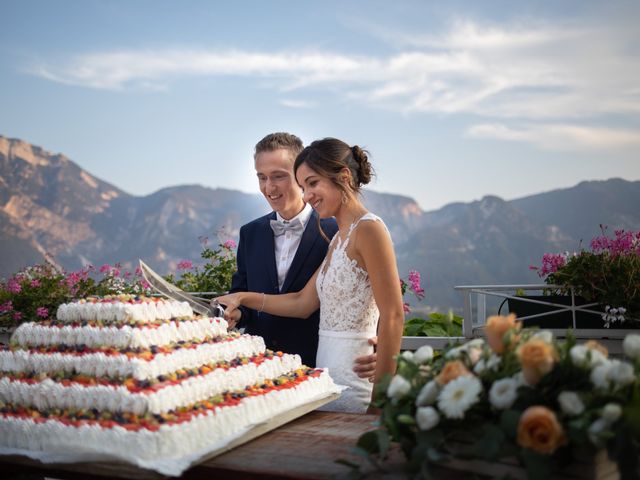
column 374, row 246
column 298, row 304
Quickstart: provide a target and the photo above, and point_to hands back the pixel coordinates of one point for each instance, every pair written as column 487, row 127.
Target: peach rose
column 540, row 431
column 594, row 345
column 451, row 371
column 537, row 358
column 495, row 329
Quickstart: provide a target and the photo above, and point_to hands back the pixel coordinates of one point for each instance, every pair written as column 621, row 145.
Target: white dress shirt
column 287, row 244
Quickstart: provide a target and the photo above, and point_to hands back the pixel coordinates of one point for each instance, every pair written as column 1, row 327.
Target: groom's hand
column 365, row 366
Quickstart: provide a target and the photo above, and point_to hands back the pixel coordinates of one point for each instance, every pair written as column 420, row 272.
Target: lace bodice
column 344, row 289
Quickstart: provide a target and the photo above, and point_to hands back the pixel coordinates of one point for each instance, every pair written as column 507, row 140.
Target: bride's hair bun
column 365, row 170
column 330, row 156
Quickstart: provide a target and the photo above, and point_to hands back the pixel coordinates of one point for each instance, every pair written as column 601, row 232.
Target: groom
column 279, row 252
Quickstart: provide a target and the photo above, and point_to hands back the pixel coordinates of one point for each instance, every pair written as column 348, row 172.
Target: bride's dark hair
column 330, row 156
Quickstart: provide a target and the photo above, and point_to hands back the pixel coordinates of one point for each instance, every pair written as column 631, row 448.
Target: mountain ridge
column 50, row 205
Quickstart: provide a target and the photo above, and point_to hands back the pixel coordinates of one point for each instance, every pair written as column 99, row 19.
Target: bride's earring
column 345, row 199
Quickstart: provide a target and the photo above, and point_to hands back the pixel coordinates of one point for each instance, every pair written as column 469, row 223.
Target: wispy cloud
column 297, row 103
column 540, row 72
column 562, row 137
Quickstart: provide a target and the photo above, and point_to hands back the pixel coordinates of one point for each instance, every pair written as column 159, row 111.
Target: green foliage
column 436, row 325
column 214, row 276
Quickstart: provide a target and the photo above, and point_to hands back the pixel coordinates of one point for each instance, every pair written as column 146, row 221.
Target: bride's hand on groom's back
column 365, row 366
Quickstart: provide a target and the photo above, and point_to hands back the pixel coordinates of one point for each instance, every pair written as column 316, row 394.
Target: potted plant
column 517, row 403
column 608, row 274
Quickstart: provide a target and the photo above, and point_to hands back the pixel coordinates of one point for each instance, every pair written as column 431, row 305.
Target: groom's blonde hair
column 277, row 141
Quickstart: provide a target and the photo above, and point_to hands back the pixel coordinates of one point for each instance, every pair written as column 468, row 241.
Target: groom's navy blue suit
column 257, row 272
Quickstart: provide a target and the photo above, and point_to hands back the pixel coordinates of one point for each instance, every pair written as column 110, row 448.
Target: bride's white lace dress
column 348, row 319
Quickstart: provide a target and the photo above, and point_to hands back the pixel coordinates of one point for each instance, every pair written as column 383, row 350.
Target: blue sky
column 455, row 100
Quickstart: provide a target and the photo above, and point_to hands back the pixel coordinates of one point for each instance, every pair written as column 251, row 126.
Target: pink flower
column 551, row 263
column 146, row 285
column 229, row 244
column 138, row 272
column 106, row 268
column 17, row 316
column 405, row 307
column 35, row 283
column 42, row 312
column 414, row 281
column 14, row 286
column 185, row 265
column 72, row 279
column 6, row 307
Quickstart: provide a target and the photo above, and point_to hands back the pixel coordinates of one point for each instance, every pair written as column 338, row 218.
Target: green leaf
column 489, row 445
column 509, row 420
column 538, row 466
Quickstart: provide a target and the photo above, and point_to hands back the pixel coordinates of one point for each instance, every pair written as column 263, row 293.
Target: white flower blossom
column 428, row 394
column 621, row 373
column 631, row 346
column 427, row 418
column 503, row 393
column 544, row 335
column 408, row 355
column 398, row 387
column 454, row 353
column 612, row 373
column 492, row 363
column 595, row 432
column 586, row 357
column 570, row 403
column 423, row 354
column 459, row 395
column 611, row 412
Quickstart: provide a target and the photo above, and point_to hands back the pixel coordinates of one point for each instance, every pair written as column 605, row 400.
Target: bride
column 357, row 286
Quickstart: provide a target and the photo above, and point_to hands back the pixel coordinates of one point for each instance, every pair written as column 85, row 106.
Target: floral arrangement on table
column 608, row 273
column 519, row 394
column 436, row 324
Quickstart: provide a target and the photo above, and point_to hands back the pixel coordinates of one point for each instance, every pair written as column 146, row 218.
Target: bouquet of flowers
column 608, row 273
column 516, row 394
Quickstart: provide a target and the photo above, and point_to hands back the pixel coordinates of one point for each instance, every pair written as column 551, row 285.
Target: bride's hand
column 231, row 303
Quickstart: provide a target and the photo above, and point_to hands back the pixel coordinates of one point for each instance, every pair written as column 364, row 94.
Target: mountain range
column 51, row 206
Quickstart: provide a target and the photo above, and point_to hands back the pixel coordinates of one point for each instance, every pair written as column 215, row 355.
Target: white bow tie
column 279, row 228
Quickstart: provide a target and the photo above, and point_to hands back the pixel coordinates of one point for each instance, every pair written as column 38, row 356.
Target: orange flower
column 496, row 328
column 537, row 358
column 540, row 431
column 451, row 371
column 594, row 345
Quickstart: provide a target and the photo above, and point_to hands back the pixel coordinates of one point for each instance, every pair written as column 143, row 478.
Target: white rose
column 600, row 376
column 621, row 373
column 544, row 335
column 423, row 354
column 503, row 393
column 631, row 346
column 586, row 357
column 454, row 353
column 428, row 394
column 398, row 387
column 408, row 355
column 611, row 412
column 595, row 432
column 570, row 403
column 427, row 418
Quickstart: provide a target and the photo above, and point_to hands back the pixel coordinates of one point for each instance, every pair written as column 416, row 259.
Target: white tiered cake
column 142, row 379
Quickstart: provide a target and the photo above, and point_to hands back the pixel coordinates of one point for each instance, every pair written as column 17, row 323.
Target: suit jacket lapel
column 270, row 248
column 309, row 238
